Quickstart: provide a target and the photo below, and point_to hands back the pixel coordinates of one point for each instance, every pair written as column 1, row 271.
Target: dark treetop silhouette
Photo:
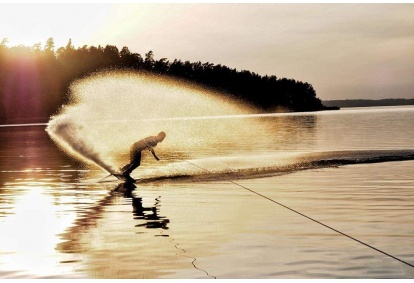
column 34, row 80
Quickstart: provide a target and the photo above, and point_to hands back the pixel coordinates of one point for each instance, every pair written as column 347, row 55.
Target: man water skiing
column 135, row 154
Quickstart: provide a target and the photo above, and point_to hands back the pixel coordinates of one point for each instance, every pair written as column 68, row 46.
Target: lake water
column 194, row 215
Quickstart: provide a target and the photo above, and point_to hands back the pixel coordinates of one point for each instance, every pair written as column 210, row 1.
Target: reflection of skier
column 135, row 152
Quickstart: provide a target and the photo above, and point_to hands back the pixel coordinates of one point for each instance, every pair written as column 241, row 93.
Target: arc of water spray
column 65, row 133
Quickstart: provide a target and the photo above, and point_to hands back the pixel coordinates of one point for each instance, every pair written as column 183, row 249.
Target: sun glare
column 28, row 24
column 23, row 233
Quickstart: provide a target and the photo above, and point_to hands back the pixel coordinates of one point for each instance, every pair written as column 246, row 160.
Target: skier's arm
column 153, row 153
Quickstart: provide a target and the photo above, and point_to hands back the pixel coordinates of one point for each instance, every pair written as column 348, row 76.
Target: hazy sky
column 343, row 50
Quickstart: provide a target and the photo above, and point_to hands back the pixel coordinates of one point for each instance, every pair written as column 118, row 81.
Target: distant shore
column 368, row 102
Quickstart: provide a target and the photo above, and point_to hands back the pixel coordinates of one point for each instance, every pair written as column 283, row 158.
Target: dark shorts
column 135, row 162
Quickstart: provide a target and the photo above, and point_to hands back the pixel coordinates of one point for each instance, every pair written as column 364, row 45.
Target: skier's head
column 161, row 136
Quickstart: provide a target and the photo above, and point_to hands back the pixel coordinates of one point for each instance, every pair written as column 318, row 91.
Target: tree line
column 34, row 80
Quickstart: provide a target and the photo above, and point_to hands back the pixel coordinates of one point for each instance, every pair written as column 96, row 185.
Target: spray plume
column 109, row 111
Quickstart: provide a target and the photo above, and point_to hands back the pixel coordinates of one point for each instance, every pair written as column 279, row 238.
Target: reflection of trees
column 293, row 132
column 268, row 134
column 33, row 80
column 30, row 148
column 28, row 153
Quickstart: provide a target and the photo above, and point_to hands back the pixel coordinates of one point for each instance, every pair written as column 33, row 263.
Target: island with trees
column 34, row 80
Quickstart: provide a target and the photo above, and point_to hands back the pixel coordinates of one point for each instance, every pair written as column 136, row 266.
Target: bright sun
column 29, row 24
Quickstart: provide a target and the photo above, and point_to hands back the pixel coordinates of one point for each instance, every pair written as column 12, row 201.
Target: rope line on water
column 310, row 218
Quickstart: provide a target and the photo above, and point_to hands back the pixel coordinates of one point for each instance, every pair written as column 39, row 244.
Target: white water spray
column 109, row 111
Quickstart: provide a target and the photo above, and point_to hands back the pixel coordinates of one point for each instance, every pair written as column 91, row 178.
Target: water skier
column 135, row 153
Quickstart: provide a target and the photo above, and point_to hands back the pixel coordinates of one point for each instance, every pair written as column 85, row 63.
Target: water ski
column 127, row 178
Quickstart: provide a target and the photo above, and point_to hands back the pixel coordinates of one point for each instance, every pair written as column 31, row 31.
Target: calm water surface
column 58, row 221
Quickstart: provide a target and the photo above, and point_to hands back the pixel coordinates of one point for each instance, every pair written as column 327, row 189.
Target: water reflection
column 46, row 190
column 30, row 232
column 56, row 220
column 119, row 225
column 90, row 215
column 149, row 215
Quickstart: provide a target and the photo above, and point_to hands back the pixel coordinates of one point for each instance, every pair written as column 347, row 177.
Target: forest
column 34, row 80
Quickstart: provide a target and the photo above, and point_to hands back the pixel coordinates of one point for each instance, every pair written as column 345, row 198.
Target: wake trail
column 309, row 161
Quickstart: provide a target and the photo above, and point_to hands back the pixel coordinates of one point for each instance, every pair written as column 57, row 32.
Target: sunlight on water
column 33, row 249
